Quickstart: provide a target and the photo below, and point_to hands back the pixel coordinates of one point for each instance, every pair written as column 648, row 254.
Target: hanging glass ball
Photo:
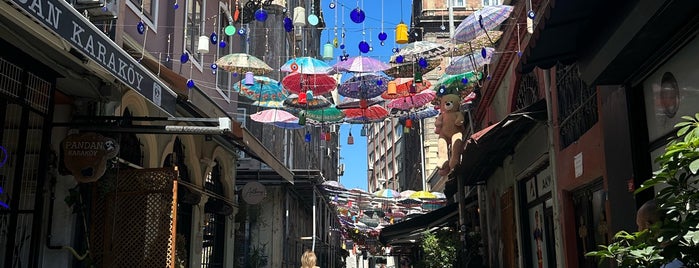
column 422, row 62
column 288, row 25
column 531, row 14
column 331, row 5
column 167, row 58
column 241, row 31
column 214, row 66
column 371, row 48
column 342, row 46
column 184, row 58
column 484, row 53
column 442, row 90
column 399, row 59
column 235, row 74
column 313, row 20
column 379, row 82
column 176, row 6
column 383, row 36
column 343, row 35
column 357, row 15
column 442, row 27
column 488, row 77
column 222, row 44
column 213, row 38
column 140, row 27
column 229, row 30
column 105, row 8
column 261, row 15
column 382, row 43
column 519, row 53
column 363, row 47
column 464, row 80
column 190, row 83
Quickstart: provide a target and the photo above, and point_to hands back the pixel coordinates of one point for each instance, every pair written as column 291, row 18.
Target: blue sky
column 354, row 156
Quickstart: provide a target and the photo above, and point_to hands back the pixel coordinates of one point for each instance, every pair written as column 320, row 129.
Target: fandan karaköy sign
column 63, row 19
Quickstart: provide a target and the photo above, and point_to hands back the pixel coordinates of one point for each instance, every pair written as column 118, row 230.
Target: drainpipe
column 313, row 248
column 554, row 175
column 49, row 245
column 422, row 154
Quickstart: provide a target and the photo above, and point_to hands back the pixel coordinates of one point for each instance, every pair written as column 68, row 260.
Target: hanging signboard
column 85, row 155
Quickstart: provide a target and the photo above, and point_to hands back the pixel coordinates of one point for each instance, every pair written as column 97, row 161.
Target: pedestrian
column 646, row 216
column 308, row 260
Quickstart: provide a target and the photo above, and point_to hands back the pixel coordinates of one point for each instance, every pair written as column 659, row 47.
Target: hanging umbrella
column 408, row 69
column 456, row 82
column 264, row 89
column 470, row 62
column 363, row 86
column 409, row 202
column 293, row 124
column 242, row 63
column 272, row 115
column 423, row 195
column 330, row 114
column 421, row 114
column 318, row 102
column 387, row 193
column 319, row 84
column 348, row 103
column 306, row 65
column 403, row 86
column 333, row 184
column 269, row 104
column 374, row 113
column 406, row 193
column 482, row 20
column 413, row 101
column 420, row 49
column 475, row 45
column 439, row 195
column 361, row 64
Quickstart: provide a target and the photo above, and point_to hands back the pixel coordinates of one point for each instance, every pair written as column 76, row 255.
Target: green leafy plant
column 257, row 257
column 677, row 236
column 440, row 247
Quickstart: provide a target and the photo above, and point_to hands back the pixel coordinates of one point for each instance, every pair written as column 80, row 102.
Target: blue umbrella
column 264, row 89
column 306, row 65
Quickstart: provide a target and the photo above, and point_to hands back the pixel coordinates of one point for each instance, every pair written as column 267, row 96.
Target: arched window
column 129, row 145
column 186, row 198
column 214, row 220
column 527, row 91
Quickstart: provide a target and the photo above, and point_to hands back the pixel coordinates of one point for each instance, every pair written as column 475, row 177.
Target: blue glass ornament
column 399, row 59
column 222, row 44
column 140, row 27
column 331, row 5
column 307, row 138
column 213, row 38
column 363, row 47
column 343, row 34
column 464, row 80
column 394, row 50
column 442, row 90
column 484, row 53
column 184, row 58
column 342, row 46
column 190, row 83
column 357, row 15
column 176, row 6
column 382, row 43
column 442, row 27
column 422, row 62
column 383, row 36
column 105, row 8
column 214, row 66
column 488, row 77
column 235, row 74
column 379, row 82
column 519, row 53
column 371, row 48
column 531, row 14
column 261, row 15
column 241, row 31
column 288, row 25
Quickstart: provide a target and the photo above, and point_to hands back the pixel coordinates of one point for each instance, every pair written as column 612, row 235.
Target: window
column 460, row 3
column 491, row 2
column 192, row 28
column 240, row 117
column 399, row 130
column 223, row 79
column 147, row 10
column 214, row 223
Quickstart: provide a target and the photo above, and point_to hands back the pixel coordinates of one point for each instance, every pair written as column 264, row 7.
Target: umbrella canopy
column 421, row 114
column 319, row 84
column 330, row 114
column 272, row 115
column 363, row 86
column 388, row 193
column 306, row 65
column 403, row 86
column 475, row 45
column 470, row 62
column 318, row 102
column 371, row 114
column 264, row 89
column 420, row 49
column 439, row 195
column 242, row 63
column 333, row 184
column 480, row 21
column 269, row 104
column 423, row 195
column 348, row 103
column 409, row 202
column 406, row 193
column 412, row 101
column 408, row 69
column 293, row 124
column 456, row 82
column 361, row 64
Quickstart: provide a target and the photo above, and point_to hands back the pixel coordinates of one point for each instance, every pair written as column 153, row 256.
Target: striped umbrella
column 482, row 20
column 470, row 62
column 420, row 49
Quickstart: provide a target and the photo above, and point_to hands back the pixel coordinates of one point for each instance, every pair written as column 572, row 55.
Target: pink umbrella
column 273, row 115
column 414, row 101
column 361, row 64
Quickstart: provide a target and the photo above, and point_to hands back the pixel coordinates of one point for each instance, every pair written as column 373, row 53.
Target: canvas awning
column 412, row 229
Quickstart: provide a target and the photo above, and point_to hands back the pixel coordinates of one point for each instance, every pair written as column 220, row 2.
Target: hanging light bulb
column 328, row 51
column 299, row 16
column 350, row 139
column 392, row 90
column 307, row 137
column 203, row 44
column 249, row 79
column 401, row 33
column 363, row 131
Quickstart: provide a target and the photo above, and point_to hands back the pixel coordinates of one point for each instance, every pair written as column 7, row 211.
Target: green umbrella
column 455, row 82
column 330, row 114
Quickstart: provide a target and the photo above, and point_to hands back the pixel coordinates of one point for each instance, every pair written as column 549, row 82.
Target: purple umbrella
column 481, row 21
column 363, row 86
column 361, row 64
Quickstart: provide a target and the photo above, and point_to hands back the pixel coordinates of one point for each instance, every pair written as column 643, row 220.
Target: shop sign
column 61, row 18
column 254, row 192
column 85, row 155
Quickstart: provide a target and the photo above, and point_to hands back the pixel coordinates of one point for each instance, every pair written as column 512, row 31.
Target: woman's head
column 308, row 259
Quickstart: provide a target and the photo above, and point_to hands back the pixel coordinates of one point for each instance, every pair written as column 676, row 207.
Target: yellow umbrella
column 423, row 195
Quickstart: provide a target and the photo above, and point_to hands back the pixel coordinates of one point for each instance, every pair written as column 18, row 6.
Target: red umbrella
column 371, row 114
column 403, row 88
column 318, row 83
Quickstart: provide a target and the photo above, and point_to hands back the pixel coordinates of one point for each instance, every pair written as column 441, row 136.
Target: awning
column 486, row 149
column 260, row 150
column 412, row 229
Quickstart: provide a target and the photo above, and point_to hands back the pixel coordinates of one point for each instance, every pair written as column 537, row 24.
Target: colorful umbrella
column 272, row 115
column 421, row 114
column 306, row 65
column 319, row 84
column 456, row 82
column 349, row 103
column 293, row 124
column 423, row 195
column 333, row 184
column 470, row 62
column 264, row 89
column 269, row 104
column 330, row 114
column 388, row 193
column 475, row 45
column 361, row 64
column 439, row 195
column 372, row 114
column 242, row 63
column 403, row 86
column 408, row 69
column 318, row 102
column 420, row 49
column 480, row 21
column 406, row 193
column 363, row 86
column 412, row 101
